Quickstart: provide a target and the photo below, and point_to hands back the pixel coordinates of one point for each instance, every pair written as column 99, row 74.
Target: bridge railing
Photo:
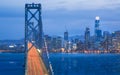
column 46, row 60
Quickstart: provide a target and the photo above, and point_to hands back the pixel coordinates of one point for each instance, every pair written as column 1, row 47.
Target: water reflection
column 81, row 64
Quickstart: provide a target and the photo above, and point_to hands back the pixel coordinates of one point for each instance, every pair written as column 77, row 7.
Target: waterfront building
column 107, row 40
column 56, row 43
column 48, row 41
column 80, row 45
column 59, row 42
column 116, row 40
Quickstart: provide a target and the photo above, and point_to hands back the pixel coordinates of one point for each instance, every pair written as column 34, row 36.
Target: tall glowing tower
column 97, row 21
column 98, row 32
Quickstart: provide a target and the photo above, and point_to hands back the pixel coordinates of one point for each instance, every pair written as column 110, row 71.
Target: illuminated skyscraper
column 97, row 21
column 98, row 32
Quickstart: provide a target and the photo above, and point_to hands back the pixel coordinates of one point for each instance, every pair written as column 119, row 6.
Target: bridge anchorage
column 36, row 63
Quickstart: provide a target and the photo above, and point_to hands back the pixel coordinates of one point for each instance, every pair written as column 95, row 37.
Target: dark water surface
column 85, row 64
column 11, row 64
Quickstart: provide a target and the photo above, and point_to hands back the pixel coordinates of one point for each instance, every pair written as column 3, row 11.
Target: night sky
column 75, row 15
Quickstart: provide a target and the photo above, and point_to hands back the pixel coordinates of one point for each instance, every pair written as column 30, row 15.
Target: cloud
column 75, row 14
column 65, row 4
column 80, row 4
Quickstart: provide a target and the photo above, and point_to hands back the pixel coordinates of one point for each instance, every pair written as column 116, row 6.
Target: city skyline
column 75, row 15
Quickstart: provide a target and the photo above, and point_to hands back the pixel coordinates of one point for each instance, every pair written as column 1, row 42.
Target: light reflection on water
column 85, row 64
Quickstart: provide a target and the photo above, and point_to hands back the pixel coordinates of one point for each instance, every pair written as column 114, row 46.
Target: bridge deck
column 35, row 65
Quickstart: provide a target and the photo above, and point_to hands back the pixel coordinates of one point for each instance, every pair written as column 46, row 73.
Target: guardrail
column 46, row 60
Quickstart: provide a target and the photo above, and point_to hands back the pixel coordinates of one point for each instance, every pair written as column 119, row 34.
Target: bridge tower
column 33, row 25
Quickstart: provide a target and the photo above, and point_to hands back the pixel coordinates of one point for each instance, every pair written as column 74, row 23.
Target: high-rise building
column 106, row 40
column 66, row 40
column 56, row 43
column 117, row 34
column 116, row 40
column 59, row 42
column 98, row 32
column 106, row 34
column 66, row 36
column 48, row 41
column 87, row 38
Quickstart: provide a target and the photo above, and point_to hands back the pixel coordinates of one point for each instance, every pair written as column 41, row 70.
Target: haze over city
column 56, row 14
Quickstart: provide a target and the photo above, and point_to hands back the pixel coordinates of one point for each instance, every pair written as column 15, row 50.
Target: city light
column 97, row 18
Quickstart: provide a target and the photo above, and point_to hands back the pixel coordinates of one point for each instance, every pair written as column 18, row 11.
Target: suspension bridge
column 36, row 54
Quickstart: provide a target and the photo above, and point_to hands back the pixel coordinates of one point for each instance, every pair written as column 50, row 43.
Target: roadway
column 35, row 65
